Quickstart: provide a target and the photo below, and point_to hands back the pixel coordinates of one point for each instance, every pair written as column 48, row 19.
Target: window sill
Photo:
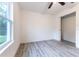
column 4, row 46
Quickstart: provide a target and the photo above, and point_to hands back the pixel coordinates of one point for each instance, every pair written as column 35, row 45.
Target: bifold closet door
column 68, row 27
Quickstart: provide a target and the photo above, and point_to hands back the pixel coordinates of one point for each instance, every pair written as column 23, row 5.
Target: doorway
column 68, row 28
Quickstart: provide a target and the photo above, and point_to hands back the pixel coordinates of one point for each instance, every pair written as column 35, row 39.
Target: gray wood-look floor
column 49, row 48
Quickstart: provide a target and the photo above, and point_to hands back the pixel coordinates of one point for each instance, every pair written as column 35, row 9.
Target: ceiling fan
column 61, row 3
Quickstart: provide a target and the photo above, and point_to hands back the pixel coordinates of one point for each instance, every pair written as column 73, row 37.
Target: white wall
column 39, row 27
column 11, row 50
column 77, row 26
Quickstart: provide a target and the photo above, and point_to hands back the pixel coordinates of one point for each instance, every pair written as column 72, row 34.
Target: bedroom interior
column 39, row 29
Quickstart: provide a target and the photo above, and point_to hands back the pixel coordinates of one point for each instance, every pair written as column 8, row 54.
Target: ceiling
column 42, row 7
column 57, row 8
column 34, row 6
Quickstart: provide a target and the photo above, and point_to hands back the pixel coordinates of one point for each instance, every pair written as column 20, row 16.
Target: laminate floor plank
column 49, row 48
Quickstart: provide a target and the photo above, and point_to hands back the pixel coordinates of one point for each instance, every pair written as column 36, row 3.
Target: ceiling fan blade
column 62, row 3
column 50, row 5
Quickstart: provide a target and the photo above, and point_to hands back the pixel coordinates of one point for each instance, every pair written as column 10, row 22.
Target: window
column 5, row 24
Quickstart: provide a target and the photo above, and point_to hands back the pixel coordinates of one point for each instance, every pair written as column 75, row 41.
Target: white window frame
column 10, row 40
